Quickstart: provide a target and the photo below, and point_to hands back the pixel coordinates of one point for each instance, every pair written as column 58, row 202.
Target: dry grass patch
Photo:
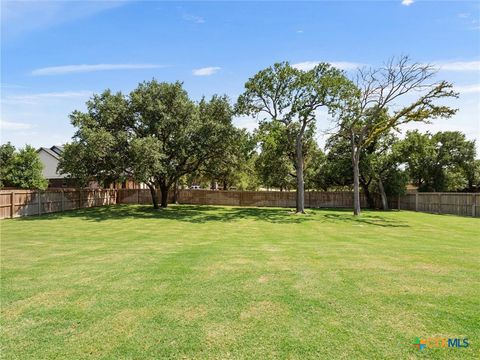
column 262, row 310
column 48, row 299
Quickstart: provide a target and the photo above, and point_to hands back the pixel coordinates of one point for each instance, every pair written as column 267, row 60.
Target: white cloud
column 10, row 125
column 407, row 2
column 343, row 65
column 464, row 89
column 25, row 16
column 65, row 94
column 299, row 31
column 193, row 18
column 34, row 98
column 246, row 122
column 305, row 66
column 463, row 15
column 11, row 86
column 458, row 65
column 82, row 68
column 206, row 71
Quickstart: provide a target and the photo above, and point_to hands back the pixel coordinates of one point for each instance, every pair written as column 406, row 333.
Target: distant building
column 412, row 188
column 50, row 158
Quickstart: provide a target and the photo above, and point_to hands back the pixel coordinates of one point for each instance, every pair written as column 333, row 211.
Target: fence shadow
column 206, row 213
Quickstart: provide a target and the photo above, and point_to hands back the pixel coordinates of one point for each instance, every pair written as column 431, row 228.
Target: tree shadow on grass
column 187, row 213
column 205, row 213
column 367, row 220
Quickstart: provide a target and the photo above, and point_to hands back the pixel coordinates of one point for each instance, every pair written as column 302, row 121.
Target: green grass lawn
column 128, row 282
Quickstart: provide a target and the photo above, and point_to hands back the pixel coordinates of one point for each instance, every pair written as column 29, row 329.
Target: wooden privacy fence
column 334, row 199
column 464, row 204
column 14, row 203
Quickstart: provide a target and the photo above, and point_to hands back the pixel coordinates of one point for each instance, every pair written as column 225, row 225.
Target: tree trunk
column 299, row 170
column 368, row 195
column 175, row 192
column 153, row 193
column 382, row 194
column 470, row 186
column 164, row 188
column 356, row 178
column 225, row 185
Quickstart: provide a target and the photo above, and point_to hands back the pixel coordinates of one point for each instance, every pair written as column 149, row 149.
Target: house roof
column 57, row 149
column 54, row 151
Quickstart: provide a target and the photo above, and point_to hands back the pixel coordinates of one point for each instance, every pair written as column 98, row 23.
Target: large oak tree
column 283, row 94
column 156, row 135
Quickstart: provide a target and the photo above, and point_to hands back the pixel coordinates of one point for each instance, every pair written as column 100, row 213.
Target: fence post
column 12, row 205
column 62, row 200
column 138, row 196
column 474, row 203
column 439, row 203
column 398, row 202
column 39, row 201
column 416, row 201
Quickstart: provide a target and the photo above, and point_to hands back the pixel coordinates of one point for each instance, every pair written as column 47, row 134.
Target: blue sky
column 55, row 55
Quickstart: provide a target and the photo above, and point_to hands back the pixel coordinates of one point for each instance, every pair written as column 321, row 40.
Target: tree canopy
column 21, row 169
column 369, row 113
column 292, row 97
column 444, row 161
column 159, row 136
column 156, row 135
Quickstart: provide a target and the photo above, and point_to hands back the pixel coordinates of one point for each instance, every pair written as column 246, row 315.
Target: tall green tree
column 227, row 169
column 314, row 168
column 418, row 153
column 382, row 165
column 441, row 162
column 379, row 168
column 7, row 153
column 337, row 170
column 188, row 134
column 292, row 97
column 101, row 143
column 366, row 116
column 156, row 135
column 275, row 164
column 473, row 175
column 22, row 168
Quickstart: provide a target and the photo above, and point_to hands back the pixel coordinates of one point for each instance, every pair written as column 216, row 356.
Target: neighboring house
column 50, row 158
column 127, row 184
column 412, row 188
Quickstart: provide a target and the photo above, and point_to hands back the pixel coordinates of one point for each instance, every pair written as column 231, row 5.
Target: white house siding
column 49, row 165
